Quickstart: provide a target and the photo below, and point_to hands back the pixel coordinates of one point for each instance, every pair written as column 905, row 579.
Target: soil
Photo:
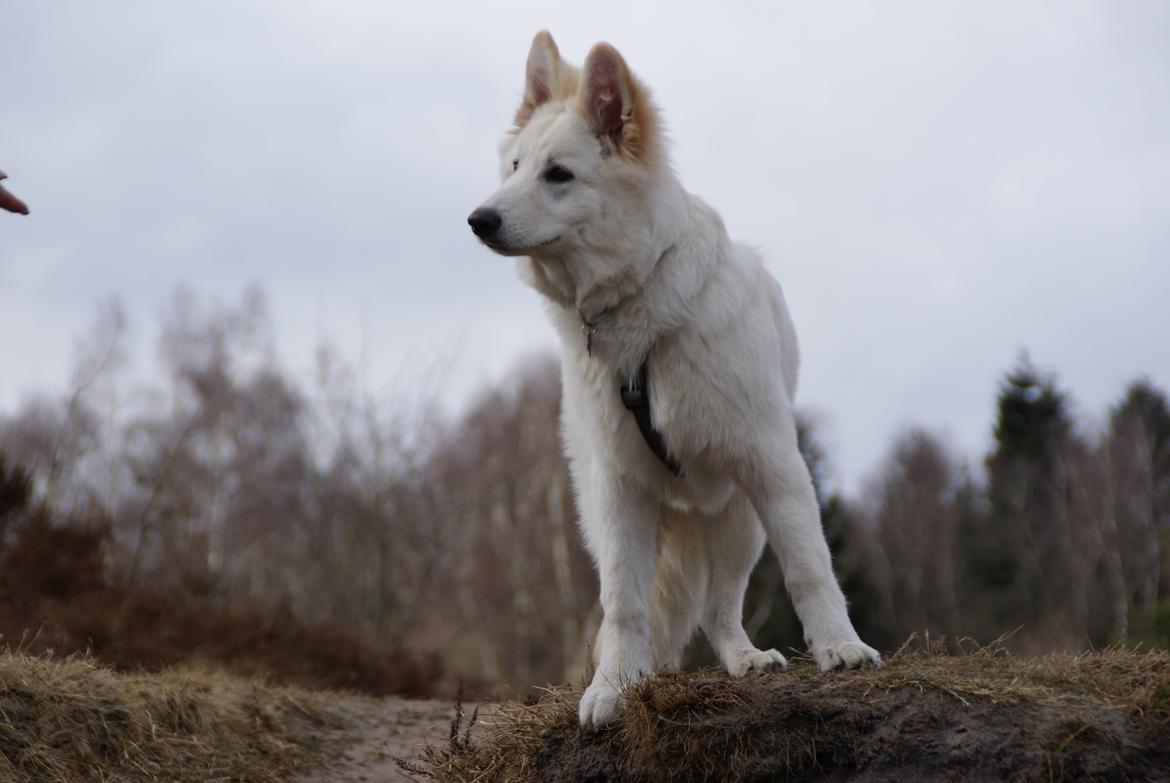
column 380, row 732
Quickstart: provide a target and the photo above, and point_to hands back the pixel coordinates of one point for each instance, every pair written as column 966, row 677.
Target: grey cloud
column 936, row 186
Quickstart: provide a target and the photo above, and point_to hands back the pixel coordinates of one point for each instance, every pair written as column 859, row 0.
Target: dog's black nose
column 484, row 222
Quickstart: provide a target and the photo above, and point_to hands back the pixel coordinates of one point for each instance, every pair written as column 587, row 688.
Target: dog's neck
column 594, row 281
column 620, row 310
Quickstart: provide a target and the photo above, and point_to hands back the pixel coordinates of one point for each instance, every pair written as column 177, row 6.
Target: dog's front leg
column 625, row 530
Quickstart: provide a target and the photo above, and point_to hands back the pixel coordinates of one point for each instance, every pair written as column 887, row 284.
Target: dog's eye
column 558, row 174
column 515, row 164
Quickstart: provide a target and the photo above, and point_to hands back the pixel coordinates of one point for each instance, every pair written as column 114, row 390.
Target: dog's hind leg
column 733, row 543
column 781, row 491
column 680, row 585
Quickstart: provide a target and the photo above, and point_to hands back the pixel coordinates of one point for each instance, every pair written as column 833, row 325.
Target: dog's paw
column 845, row 655
column 757, row 660
column 600, row 704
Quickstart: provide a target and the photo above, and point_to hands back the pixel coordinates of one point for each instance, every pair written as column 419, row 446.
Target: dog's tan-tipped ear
column 617, row 105
column 542, row 76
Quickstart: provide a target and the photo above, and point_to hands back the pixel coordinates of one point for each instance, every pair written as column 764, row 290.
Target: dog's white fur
column 623, row 247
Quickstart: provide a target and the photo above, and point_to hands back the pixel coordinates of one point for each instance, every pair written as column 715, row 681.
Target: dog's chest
column 700, row 489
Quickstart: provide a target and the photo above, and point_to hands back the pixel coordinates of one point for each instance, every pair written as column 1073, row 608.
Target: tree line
column 1059, row 539
column 227, row 476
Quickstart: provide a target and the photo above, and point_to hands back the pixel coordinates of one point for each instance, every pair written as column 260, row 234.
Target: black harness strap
column 636, row 398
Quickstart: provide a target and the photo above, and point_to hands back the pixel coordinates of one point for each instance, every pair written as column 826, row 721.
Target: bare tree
column 913, row 512
column 1136, row 451
column 523, row 587
column 62, row 442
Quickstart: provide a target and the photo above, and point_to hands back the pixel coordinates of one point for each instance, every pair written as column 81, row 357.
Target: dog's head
column 576, row 168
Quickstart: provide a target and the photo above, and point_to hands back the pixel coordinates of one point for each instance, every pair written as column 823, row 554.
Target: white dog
column 654, row 303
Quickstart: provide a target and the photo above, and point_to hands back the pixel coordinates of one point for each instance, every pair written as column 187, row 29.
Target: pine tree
column 1018, row 555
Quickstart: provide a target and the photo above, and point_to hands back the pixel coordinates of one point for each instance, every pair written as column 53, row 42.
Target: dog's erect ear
column 542, row 76
column 616, row 105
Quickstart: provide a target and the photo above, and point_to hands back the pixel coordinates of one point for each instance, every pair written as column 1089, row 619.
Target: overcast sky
column 936, row 185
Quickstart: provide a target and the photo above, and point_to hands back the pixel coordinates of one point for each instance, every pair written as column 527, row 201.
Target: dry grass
column 984, row 715
column 72, row 720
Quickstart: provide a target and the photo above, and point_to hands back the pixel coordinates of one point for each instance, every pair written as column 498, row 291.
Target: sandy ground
column 387, row 729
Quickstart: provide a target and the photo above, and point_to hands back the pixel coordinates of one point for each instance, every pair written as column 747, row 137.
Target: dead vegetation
column 72, row 720
column 55, row 596
column 985, row 715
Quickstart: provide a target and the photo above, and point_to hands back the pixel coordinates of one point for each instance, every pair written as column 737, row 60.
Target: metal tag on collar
column 589, row 330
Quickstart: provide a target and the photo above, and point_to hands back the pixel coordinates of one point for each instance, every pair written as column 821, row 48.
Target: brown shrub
column 54, row 596
column 15, row 491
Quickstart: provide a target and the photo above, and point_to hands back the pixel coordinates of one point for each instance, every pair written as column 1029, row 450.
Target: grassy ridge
column 924, row 715
column 72, row 720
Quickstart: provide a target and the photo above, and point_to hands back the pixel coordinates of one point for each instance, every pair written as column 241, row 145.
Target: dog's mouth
column 516, row 250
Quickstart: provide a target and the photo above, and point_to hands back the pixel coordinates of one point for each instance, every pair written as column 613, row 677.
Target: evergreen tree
column 1017, row 556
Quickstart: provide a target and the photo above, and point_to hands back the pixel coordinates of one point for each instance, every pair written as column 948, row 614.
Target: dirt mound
column 922, row 716
column 55, row 596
